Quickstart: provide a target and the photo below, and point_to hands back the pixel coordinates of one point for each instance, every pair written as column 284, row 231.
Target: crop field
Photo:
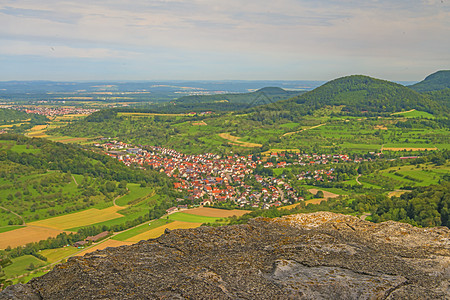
column 312, row 201
column 103, row 245
column 408, row 149
column 326, row 194
column 141, row 229
column 157, row 232
column 25, row 235
column 78, row 219
column 54, row 255
column 215, row 212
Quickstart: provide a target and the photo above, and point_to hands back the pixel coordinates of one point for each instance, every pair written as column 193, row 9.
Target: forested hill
column 434, row 82
column 357, row 95
column 262, row 96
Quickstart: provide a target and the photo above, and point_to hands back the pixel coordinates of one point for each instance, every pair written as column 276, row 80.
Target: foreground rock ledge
column 308, row 256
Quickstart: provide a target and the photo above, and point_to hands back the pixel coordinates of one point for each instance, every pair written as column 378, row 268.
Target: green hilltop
column 357, row 95
column 434, row 82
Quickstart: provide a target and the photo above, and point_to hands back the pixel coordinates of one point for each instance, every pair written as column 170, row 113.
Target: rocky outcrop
column 308, row 256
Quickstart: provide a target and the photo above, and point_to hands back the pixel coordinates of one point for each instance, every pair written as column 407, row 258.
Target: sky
column 222, row 40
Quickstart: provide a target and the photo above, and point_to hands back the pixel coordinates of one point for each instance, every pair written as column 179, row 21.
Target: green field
column 20, row 265
column 140, row 229
column 9, row 228
column 179, row 216
column 416, row 114
column 424, row 175
column 135, row 192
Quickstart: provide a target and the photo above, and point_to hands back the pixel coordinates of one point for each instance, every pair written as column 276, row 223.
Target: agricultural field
column 55, row 255
column 80, row 219
column 420, row 175
column 22, row 265
column 123, row 236
column 25, row 235
column 215, row 213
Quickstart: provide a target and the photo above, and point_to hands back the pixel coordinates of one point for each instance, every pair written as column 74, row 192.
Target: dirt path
column 289, row 133
column 234, row 140
column 364, row 216
column 23, row 221
column 357, row 179
column 402, row 112
column 74, row 180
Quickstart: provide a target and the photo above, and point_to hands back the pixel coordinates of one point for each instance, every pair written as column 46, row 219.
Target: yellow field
column 54, row 255
column 312, row 201
column 11, row 125
column 157, row 232
column 202, row 123
column 236, row 141
column 105, row 244
column 38, row 127
column 279, row 151
column 325, row 193
column 396, row 193
column 82, row 218
column 25, row 235
column 214, row 212
column 408, row 149
column 381, row 127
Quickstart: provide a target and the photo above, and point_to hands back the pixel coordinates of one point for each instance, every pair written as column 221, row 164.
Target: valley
column 72, row 172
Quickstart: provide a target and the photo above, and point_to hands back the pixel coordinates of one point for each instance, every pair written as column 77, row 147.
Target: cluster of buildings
column 57, row 111
column 51, row 111
column 210, row 178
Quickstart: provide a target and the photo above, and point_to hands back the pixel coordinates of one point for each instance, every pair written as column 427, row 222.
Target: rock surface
column 309, row 256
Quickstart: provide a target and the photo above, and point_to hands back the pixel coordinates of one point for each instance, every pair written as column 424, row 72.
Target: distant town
column 211, row 179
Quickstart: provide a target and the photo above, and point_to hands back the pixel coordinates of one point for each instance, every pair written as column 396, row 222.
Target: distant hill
column 358, row 94
column 434, row 82
column 265, row 95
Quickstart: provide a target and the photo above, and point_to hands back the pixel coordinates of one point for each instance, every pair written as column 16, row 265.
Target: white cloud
column 306, row 30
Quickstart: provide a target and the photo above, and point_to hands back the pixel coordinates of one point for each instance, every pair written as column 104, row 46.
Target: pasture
column 135, row 192
column 185, row 217
column 20, row 265
column 79, row 219
column 25, row 235
column 123, row 236
column 157, row 232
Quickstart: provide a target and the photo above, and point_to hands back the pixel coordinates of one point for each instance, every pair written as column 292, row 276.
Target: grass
column 416, row 114
column 9, row 228
column 427, row 174
column 54, row 255
column 183, row 217
column 141, row 229
column 20, row 265
column 135, row 192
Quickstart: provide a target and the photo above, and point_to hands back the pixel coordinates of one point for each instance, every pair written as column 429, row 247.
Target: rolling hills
column 357, row 95
column 439, row 80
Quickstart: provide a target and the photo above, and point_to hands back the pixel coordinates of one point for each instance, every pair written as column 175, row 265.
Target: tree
column 319, row 194
column 4, row 261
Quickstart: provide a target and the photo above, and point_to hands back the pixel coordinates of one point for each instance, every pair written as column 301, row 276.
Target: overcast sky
column 223, row 39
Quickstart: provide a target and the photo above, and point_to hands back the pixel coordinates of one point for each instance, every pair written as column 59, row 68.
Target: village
column 211, row 179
